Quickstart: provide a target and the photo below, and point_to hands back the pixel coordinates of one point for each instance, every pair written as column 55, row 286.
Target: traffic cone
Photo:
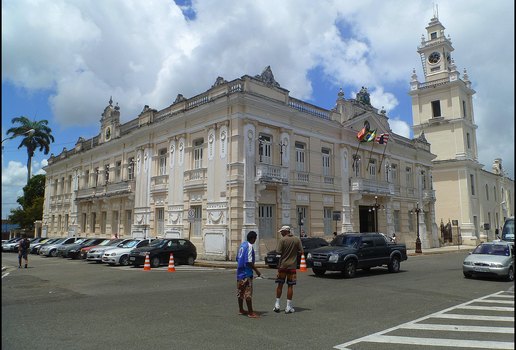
column 302, row 266
column 171, row 267
column 146, row 266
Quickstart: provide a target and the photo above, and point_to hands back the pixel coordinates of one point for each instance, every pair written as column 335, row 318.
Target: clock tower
column 110, row 123
column 442, row 111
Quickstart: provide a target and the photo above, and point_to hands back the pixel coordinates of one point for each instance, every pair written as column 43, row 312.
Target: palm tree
column 36, row 134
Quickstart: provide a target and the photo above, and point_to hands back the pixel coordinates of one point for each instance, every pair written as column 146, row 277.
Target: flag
column 382, row 139
column 369, row 136
column 363, row 131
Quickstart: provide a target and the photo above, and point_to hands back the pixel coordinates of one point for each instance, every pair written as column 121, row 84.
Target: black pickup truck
column 352, row 251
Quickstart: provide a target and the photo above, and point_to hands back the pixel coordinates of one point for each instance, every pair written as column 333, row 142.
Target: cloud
column 147, row 53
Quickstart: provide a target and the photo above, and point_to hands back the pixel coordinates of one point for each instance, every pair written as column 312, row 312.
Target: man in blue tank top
column 245, row 267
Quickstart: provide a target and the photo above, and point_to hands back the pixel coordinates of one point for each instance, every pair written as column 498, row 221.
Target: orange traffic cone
column 302, row 266
column 146, row 266
column 171, row 267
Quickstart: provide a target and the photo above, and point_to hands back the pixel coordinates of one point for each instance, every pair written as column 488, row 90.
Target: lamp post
column 416, row 211
column 28, row 132
column 281, row 145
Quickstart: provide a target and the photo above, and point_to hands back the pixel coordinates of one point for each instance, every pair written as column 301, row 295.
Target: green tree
column 31, row 203
column 34, row 134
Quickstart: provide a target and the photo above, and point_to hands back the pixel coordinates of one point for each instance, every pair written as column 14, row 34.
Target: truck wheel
column 319, row 272
column 394, row 264
column 350, row 268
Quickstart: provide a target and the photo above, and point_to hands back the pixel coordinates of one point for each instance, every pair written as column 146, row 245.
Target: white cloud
column 14, row 177
column 147, row 52
column 400, row 127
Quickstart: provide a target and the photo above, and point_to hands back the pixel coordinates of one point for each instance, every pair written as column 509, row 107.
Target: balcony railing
column 111, row 189
column 159, row 183
column 358, row 185
column 271, row 173
column 195, row 177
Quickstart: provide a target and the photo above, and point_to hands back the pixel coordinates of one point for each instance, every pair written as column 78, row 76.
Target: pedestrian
column 245, row 268
column 23, row 249
column 334, row 234
column 394, row 237
column 289, row 247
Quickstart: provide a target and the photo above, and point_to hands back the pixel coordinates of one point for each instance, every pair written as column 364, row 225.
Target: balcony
column 195, row 177
column 266, row 173
column 159, row 183
column 109, row 190
column 361, row 185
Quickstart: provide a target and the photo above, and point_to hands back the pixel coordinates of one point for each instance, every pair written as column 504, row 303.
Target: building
column 470, row 200
column 244, row 155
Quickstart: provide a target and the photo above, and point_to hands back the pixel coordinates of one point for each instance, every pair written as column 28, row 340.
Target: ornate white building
column 442, row 109
column 244, row 155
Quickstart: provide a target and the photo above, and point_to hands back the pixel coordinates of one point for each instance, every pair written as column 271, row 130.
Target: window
column 408, row 177
column 372, row 168
column 396, row 217
column 264, row 148
column 93, row 222
column 160, row 221
column 495, row 195
column 394, row 173
column 118, row 170
column 69, row 186
column 87, row 178
column 128, row 222
column 106, row 173
column 300, row 156
column 326, row 162
column 433, row 35
column 197, row 223
column 97, row 174
column 62, row 185
column 328, row 223
column 103, row 223
column 130, row 169
column 411, row 219
column 162, row 166
column 464, row 109
column 302, row 214
column 487, row 192
column 436, row 109
column 356, row 166
column 468, row 140
column 83, row 223
column 423, row 179
column 198, row 153
column 472, row 180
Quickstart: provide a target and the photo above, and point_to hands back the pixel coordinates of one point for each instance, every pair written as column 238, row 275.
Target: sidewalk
column 261, row 263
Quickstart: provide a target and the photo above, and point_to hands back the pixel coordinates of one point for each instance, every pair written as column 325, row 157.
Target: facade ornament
column 363, row 96
column 267, row 77
column 219, row 81
column 179, row 98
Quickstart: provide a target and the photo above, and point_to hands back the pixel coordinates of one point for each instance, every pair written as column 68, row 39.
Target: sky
column 63, row 60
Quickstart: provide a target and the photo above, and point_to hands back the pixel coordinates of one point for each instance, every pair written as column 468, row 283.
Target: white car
column 120, row 254
column 96, row 252
column 51, row 249
column 494, row 258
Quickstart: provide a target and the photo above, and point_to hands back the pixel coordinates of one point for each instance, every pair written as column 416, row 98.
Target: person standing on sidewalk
column 245, row 268
column 23, row 250
column 289, row 247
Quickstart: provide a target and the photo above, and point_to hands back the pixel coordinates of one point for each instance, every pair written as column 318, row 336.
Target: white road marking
column 381, row 337
column 5, row 274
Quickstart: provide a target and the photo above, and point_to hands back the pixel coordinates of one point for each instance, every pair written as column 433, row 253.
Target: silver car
column 51, row 249
column 491, row 259
column 120, row 255
column 96, row 252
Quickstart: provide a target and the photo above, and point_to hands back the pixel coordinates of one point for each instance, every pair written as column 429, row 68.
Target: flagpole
column 381, row 160
column 356, row 154
column 370, row 155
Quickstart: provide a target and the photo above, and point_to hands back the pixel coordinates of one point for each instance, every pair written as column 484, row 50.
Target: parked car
column 11, row 245
column 494, row 259
column 159, row 251
column 120, row 254
column 508, row 230
column 95, row 253
column 73, row 250
column 51, row 249
column 349, row 252
column 34, row 248
column 309, row 244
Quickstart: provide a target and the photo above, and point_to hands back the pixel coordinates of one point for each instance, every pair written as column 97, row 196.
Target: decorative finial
column 110, row 100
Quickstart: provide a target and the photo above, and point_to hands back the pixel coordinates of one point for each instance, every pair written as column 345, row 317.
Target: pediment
column 376, row 121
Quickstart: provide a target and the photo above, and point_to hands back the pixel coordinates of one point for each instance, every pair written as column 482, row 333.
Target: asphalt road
column 63, row 304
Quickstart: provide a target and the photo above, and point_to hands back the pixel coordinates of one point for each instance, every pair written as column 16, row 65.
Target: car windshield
column 345, row 241
column 158, row 243
column 105, row 242
column 492, row 249
column 60, row 240
column 129, row 244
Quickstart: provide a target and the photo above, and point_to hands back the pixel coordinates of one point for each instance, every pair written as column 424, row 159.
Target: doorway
column 366, row 216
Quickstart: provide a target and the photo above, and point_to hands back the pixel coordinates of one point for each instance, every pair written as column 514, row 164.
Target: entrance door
column 366, row 219
column 266, row 221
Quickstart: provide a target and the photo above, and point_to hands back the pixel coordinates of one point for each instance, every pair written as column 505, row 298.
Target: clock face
column 434, row 57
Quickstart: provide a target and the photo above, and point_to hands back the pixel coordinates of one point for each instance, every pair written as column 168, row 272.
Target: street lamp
column 416, row 211
column 28, row 132
column 281, row 144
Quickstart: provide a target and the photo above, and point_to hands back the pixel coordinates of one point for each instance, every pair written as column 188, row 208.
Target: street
column 59, row 303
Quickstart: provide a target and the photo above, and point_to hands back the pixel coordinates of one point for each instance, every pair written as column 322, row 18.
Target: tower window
column 436, row 109
column 433, row 35
column 468, row 140
column 464, row 109
column 472, row 180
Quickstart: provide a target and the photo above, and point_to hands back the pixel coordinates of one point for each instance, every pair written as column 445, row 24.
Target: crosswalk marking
column 418, row 324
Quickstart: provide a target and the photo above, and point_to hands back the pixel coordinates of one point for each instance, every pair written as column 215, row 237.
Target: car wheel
column 98, row 261
column 319, row 272
column 510, row 275
column 350, row 268
column 155, row 261
column 191, row 260
column 467, row 274
column 394, row 264
column 53, row 253
column 124, row 260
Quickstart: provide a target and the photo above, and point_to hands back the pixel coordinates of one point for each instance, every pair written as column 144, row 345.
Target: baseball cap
column 284, row 228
